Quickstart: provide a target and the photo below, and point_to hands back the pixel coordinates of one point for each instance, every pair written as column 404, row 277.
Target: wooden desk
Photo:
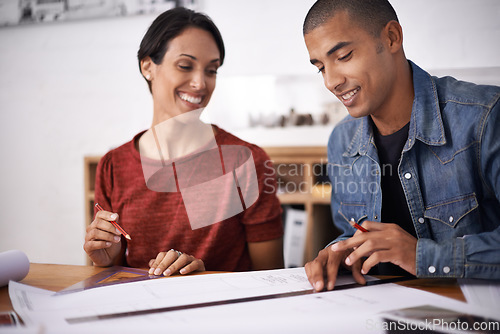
column 56, row 277
column 441, row 286
column 53, row 277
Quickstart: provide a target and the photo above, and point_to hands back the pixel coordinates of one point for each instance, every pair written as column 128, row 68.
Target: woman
column 179, row 57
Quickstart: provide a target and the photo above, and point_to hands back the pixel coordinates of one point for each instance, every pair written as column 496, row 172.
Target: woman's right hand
column 103, row 240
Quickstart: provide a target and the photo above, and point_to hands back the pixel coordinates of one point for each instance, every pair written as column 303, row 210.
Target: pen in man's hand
column 357, row 226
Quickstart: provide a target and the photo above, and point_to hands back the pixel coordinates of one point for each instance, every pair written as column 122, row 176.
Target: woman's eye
column 185, row 67
column 346, row 56
column 212, row 72
column 321, row 69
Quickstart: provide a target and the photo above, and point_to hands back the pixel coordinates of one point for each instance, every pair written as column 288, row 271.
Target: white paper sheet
column 353, row 309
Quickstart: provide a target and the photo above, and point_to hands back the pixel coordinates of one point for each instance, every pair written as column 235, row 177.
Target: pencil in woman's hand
column 115, row 224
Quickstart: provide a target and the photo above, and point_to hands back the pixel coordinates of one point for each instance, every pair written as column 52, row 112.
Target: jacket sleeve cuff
column 445, row 259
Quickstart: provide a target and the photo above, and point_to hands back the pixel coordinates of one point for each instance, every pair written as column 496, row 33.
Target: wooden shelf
column 298, row 168
column 298, row 198
column 302, row 169
column 293, row 198
column 89, row 170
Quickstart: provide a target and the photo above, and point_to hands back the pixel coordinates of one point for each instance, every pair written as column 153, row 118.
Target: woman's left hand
column 171, row 262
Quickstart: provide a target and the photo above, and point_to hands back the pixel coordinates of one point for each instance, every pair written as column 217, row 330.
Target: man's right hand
column 322, row 271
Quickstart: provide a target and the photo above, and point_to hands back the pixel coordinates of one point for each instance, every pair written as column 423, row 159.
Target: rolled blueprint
column 14, row 265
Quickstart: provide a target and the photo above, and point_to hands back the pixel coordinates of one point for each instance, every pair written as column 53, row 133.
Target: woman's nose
column 198, row 81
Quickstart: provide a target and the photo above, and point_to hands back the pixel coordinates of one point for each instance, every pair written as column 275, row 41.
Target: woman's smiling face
column 185, row 79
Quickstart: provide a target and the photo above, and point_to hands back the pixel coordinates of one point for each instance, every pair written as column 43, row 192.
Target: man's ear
column 393, row 35
column 147, row 67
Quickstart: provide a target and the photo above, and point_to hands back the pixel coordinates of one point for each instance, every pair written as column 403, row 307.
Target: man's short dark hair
column 371, row 15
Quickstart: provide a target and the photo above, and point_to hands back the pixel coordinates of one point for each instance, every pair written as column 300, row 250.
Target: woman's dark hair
column 171, row 24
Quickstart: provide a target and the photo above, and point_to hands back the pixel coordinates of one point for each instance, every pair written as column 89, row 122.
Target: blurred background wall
column 73, row 88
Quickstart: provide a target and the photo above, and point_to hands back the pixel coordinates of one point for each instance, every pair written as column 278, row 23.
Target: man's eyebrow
column 314, row 61
column 337, row 47
column 334, row 49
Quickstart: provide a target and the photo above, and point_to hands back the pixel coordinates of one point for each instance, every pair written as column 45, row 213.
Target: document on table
column 40, row 306
column 227, row 303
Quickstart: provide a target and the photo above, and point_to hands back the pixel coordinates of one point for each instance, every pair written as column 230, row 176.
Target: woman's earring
column 148, row 77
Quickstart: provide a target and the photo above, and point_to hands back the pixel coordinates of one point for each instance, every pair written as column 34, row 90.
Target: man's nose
column 333, row 79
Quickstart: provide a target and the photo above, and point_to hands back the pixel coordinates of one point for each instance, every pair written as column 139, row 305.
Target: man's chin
column 356, row 113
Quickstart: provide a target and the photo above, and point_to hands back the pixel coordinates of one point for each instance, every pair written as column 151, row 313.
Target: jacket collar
column 426, row 123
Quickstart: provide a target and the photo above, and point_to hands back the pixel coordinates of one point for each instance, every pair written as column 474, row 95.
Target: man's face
column 356, row 66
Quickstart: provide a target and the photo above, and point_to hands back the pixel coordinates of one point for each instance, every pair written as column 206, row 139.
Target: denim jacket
column 449, row 171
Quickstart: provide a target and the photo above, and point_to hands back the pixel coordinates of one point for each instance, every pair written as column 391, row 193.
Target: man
column 416, row 162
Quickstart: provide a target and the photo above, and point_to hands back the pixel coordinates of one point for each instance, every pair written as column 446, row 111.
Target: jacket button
column 407, row 176
column 432, row 269
column 446, row 269
column 421, row 220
